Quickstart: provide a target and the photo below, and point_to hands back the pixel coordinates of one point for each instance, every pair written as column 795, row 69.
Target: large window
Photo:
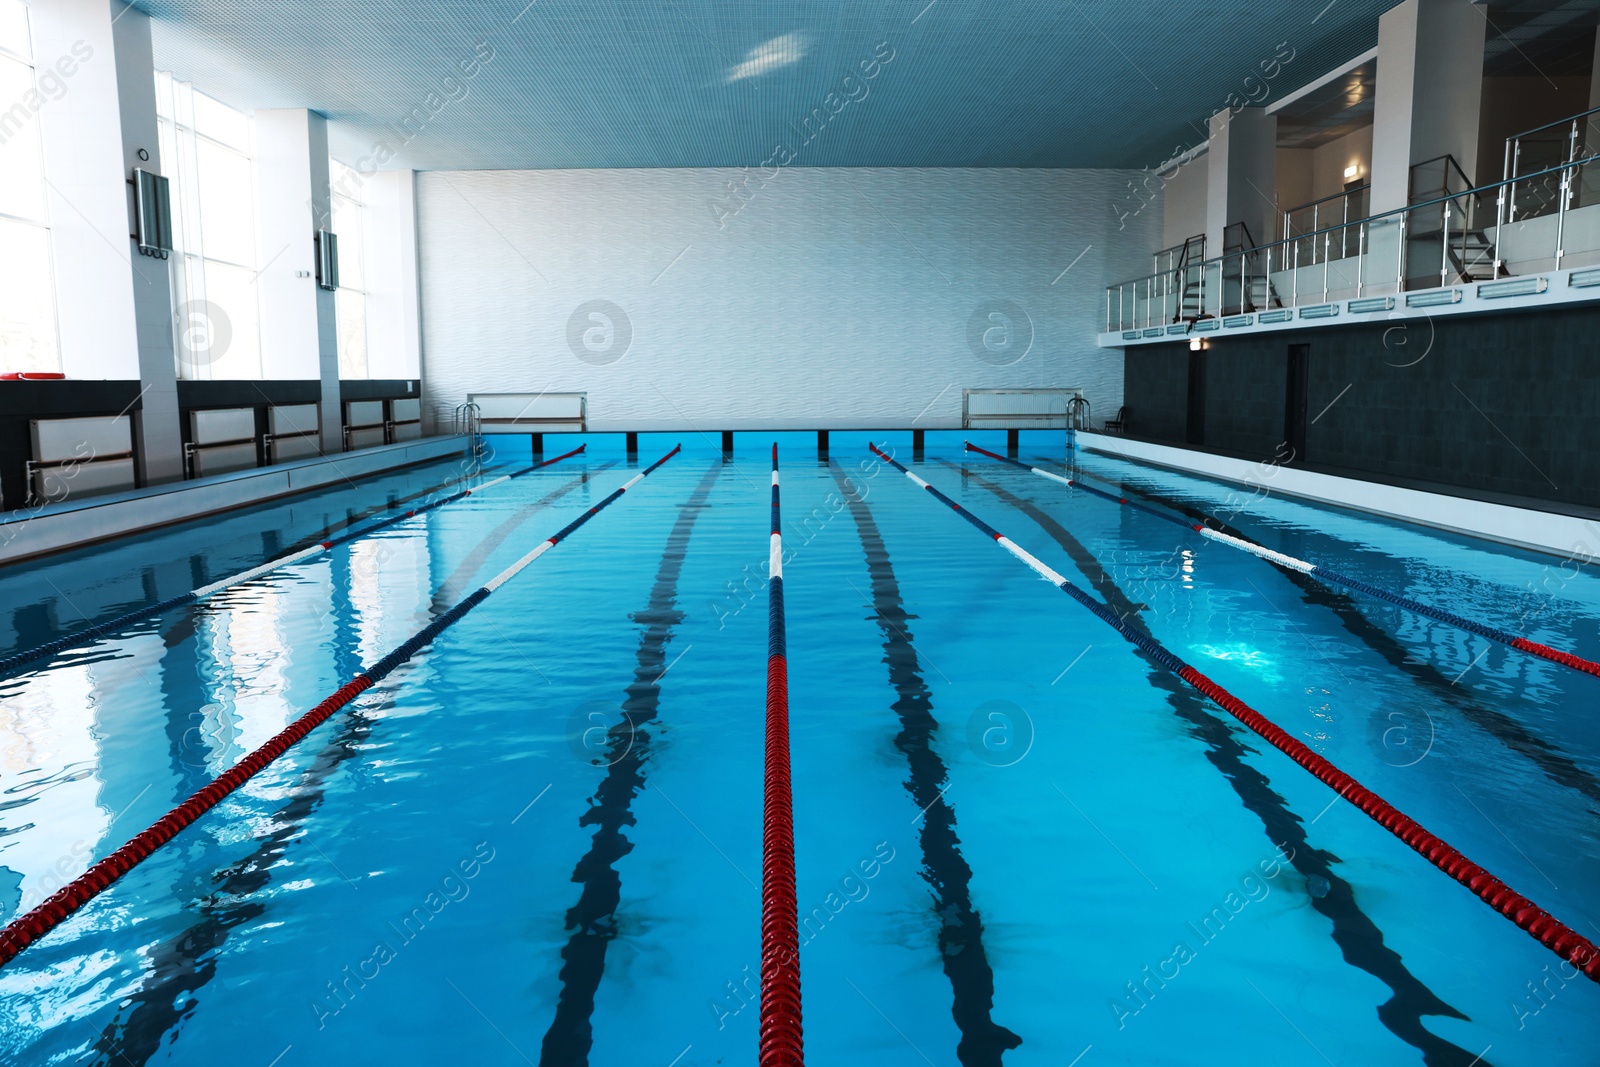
column 28, row 340
column 350, row 220
column 206, row 151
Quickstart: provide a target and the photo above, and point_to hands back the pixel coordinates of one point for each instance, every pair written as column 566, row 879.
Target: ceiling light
column 778, row 52
column 1352, row 170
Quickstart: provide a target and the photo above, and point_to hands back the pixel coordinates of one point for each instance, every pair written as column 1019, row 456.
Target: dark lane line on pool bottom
column 593, row 919
column 1549, row 758
column 1359, row 939
column 185, row 963
column 944, row 868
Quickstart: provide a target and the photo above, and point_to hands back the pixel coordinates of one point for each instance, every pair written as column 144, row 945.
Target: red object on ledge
column 31, row 376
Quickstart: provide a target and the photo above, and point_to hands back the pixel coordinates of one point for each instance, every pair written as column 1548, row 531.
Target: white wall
column 832, row 298
column 1184, row 204
column 1330, row 160
column 393, row 338
column 89, row 200
column 287, row 283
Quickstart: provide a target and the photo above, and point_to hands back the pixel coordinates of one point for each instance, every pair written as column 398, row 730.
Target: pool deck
column 1572, row 536
column 55, row 527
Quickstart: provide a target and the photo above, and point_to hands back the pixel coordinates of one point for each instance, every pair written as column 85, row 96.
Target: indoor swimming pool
column 1018, row 839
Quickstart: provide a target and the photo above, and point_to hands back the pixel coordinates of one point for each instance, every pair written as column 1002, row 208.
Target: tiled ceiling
column 1330, row 111
column 696, row 83
column 1549, row 38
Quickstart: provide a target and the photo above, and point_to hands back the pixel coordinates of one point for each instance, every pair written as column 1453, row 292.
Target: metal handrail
column 1331, row 196
column 1451, row 160
column 469, row 424
column 1396, row 215
column 1553, row 125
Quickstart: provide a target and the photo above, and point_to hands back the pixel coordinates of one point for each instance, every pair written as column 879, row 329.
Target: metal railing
column 1310, row 218
column 1433, row 243
column 1538, row 151
column 1192, row 250
column 468, row 423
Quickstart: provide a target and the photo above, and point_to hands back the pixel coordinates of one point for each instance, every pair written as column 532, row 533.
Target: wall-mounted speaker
column 327, row 260
column 152, row 214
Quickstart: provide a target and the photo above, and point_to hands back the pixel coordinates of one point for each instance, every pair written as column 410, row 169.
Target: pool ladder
column 469, row 424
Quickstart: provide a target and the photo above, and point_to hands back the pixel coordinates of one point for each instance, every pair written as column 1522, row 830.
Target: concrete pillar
column 1594, row 72
column 1430, row 85
column 113, row 306
column 1241, row 175
column 299, row 336
column 161, row 438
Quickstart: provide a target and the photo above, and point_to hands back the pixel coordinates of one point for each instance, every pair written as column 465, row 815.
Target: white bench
column 80, row 456
column 532, row 412
column 1016, row 409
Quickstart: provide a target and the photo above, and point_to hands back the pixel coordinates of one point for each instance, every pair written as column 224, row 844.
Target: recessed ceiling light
column 778, row 52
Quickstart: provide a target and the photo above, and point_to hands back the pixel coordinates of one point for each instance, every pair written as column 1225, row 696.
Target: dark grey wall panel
column 1484, row 403
column 1244, row 399
column 1156, row 391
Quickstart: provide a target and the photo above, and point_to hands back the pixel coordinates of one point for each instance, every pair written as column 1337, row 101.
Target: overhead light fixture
column 1352, row 170
column 1197, row 344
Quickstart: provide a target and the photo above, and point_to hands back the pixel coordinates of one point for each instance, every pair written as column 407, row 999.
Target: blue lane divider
column 1316, row 570
column 50, row 648
column 26, row 929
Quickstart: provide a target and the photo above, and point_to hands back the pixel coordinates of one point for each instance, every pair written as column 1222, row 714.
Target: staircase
column 1187, row 278
column 1467, row 254
column 1246, row 286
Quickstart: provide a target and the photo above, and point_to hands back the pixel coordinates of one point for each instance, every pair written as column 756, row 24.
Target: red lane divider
column 1548, row 930
column 26, row 929
column 782, row 1043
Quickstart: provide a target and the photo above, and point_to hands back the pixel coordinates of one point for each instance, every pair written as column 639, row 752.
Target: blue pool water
column 1017, row 839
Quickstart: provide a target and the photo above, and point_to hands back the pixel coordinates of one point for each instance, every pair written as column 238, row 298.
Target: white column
column 393, row 320
column 113, row 306
column 1241, row 175
column 1430, row 84
column 161, row 436
column 299, row 338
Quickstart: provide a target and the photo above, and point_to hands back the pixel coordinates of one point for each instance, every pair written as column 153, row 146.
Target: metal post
column 1561, row 213
column 1499, row 221
column 1294, row 278
column 1400, row 255
column 1361, row 257
column 1516, row 162
column 1327, row 243
column 1444, row 246
column 1266, row 289
column 1316, row 210
column 1344, row 221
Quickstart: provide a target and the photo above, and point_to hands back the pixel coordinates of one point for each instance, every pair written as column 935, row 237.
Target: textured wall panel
column 831, row 297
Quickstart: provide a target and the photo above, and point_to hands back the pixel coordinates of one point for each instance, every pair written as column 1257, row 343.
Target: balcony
column 1532, row 238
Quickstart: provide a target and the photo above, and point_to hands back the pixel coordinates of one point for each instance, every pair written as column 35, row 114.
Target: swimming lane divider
column 1544, row 927
column 781, row 1041
column 25, row 930
column 111, row 626
column 1450, row 618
